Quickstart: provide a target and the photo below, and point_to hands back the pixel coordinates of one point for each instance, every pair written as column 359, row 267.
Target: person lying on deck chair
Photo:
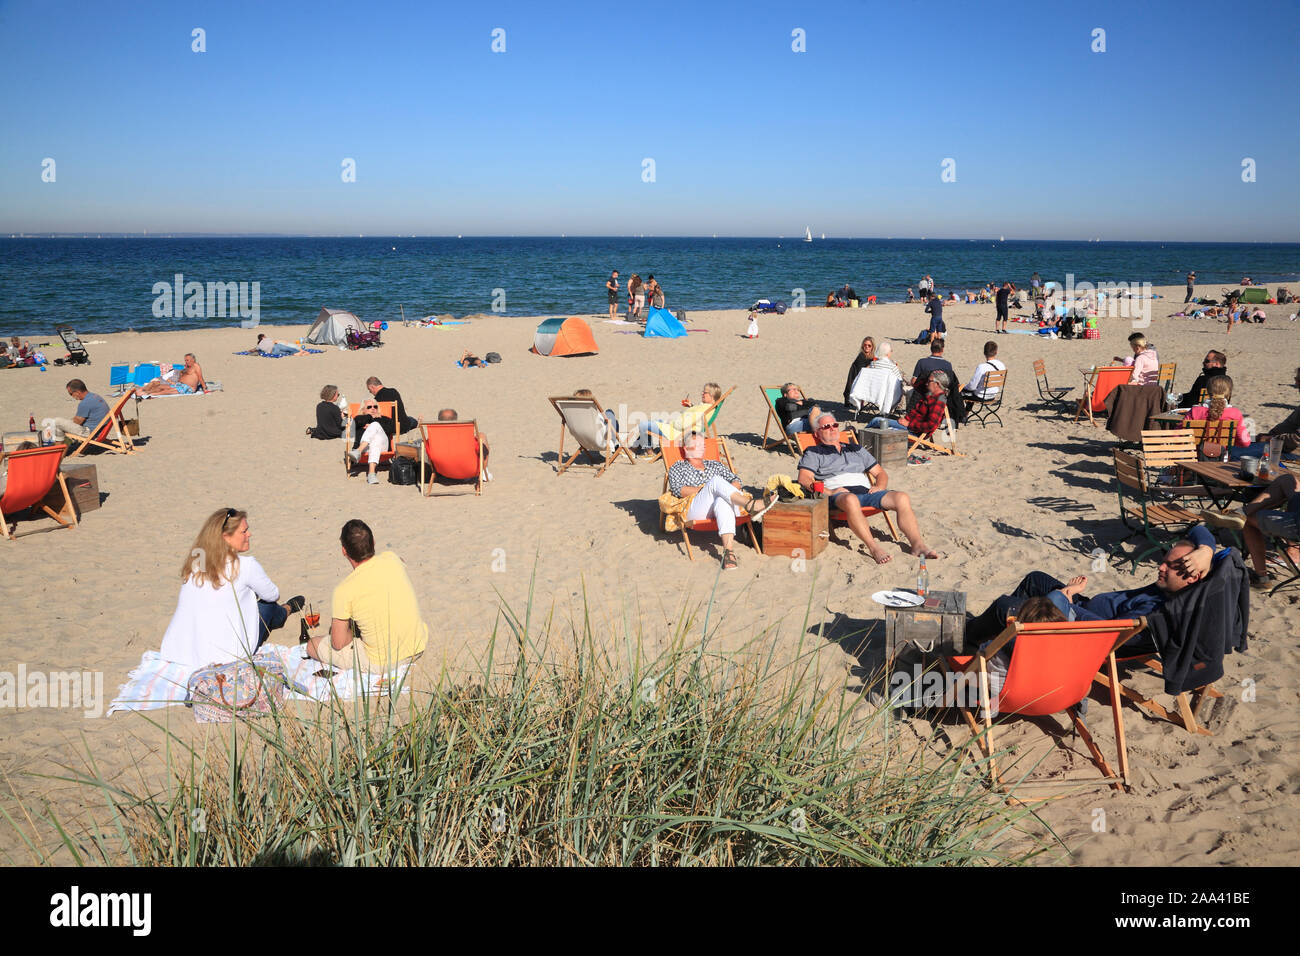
column 715, row 493
column 1184, row 564
column 854, row 480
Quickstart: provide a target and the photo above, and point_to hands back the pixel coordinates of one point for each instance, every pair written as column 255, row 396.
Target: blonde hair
column 1220, row 389
column 212, row 559
column 714, row 390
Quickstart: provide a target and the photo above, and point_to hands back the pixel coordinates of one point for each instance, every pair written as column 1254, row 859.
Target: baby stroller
column 77, row 354
column 363, row 340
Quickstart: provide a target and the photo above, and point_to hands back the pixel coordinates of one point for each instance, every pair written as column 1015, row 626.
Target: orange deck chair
column 806, row 441
column 1052, row 668
column 1103, row 381
column 450, row 450
column 386, row 410
column 110, row 434
column 715, row 449
column 32, row 473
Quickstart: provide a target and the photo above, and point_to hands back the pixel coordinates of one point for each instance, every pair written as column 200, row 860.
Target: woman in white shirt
column 227, row 605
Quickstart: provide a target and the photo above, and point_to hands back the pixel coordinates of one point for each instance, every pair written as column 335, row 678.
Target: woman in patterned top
column 717, row 493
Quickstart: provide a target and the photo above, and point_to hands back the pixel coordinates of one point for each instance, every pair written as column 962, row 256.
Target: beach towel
column 878, row 387
column 212, row 387
column 264, row 355
column 157, row 683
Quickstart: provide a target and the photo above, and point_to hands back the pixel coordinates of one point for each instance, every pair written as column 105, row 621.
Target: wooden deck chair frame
column 713, row 447
column 929, row 441
column 806, row 441
column 426, row 486
column 1146, row 513
column 1103, row 380
column 615, row 445
column 709, row 418
column 1188, row 705
column 983, row 410
column 100, row 437
column 24, row 495
column 1050, row 396
column 978, row 664
column 386, row 410
column 773, row 417
column 1165, row 377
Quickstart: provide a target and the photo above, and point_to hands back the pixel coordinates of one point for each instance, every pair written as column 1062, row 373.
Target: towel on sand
column 157, row 683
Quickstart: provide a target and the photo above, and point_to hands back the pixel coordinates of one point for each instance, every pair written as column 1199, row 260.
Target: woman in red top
column 1220, row 389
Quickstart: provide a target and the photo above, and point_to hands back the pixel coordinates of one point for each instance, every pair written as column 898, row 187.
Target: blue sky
column 748, row 137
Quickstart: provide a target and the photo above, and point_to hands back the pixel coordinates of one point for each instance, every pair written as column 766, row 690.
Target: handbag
column 220, row 692
column 403, row 471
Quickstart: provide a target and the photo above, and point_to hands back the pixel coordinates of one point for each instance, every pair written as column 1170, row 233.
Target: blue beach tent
column 660, row 323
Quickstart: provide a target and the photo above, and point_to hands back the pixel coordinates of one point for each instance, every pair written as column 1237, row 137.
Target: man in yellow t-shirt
column 376, row 605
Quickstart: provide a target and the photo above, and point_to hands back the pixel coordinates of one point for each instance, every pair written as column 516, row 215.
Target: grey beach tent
column 331, row 327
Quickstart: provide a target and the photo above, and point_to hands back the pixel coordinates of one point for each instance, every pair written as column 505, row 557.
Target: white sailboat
column 807, row 234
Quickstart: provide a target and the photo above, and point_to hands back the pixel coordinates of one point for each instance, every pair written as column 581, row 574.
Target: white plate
column 898, row 598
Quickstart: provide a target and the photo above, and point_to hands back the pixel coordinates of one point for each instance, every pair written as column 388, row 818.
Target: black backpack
column 403, row 471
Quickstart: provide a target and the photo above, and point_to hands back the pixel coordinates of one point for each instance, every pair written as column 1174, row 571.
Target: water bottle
column 922, row 579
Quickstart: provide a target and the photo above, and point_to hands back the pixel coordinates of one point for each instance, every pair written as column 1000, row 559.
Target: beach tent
column 660, row 323
column 331, row 327
column 1254, row 295
column 571, row 336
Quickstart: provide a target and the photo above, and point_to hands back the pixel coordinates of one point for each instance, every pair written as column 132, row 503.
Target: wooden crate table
column 796, row 529
column 936, row 627
column 887, row 445
column 82, row 480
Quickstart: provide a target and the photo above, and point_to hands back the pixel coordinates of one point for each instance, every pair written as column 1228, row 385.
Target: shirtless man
column 188, row 381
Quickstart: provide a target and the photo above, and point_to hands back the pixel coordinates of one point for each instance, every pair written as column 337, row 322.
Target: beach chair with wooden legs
column 1051, row 670
column 587, row 422
column 32, row 476
column 451, row 451
column 1164, row 453
column 715, row 449
column 1165, row 377
column 1145, row 513
column 1050, row 396
column 806, row 441
column 110, row 434
column 1226, row 591
column 707, row 423
column 386, row 410
column 1101, row 383
column 984, row 410
column 771, row 393
column 932, row 441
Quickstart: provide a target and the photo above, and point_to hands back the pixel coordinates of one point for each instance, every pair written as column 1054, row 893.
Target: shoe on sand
column 372, row 479
column 355, row 453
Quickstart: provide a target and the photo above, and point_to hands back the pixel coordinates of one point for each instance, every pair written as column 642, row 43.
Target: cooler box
column 887, row 445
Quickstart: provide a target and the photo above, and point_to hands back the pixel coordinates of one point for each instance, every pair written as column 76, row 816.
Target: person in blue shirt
column 1183, row 565
column 91, row 410
column 935, row 310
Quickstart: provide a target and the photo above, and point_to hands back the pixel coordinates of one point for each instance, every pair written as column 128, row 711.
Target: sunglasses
column 824, row 427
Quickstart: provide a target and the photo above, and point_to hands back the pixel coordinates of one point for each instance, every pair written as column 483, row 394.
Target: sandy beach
column 1036, row 494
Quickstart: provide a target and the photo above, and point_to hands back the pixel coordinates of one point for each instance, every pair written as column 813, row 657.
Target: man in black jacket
column 403, row 423
column 1216, row 363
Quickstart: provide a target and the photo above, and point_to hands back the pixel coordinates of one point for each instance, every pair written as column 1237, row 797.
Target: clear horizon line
column 174, row 234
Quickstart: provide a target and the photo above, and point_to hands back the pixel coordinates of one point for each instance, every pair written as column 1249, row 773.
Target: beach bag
column 403, row 471
column 674, row 510
column 492, row 358
column 219, row 692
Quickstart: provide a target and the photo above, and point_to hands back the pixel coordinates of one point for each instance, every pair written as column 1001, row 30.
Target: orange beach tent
column 571, row 336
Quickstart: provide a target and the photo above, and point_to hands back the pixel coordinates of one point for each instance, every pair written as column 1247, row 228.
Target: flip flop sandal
column 295, row 603
column 729, row 560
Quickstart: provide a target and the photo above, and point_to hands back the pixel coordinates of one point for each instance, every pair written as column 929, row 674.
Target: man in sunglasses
column 853, row 480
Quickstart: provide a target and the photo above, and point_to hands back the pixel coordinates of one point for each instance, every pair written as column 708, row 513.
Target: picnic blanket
column 264, row 355
column 157, row 683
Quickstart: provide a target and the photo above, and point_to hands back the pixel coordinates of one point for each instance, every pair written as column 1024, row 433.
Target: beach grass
column 564, row 749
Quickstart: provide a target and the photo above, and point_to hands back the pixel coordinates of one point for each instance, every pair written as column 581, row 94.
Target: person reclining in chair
column 854, row 480
column 927, row 414
column 1184, row 564
column 188, row 381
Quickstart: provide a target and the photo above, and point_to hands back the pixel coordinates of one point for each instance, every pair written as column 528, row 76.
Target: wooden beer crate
column 83, row 487
column 796, row 529
column 936, row 627
column 887, row 445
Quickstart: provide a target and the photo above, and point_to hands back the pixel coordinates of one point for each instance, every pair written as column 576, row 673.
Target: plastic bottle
column 922, row 579
column 1264, row 470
